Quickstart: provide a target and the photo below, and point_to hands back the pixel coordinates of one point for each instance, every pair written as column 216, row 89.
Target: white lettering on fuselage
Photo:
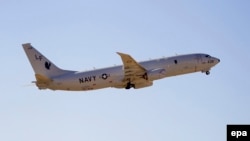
column 87, row 79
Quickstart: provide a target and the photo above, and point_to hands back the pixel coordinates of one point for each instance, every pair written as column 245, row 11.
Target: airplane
column 131, row 74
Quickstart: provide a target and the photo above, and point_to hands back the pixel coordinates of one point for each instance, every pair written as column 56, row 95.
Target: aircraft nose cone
column 217, row 60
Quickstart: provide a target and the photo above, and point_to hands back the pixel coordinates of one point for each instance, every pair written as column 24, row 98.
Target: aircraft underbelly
column 78, row 87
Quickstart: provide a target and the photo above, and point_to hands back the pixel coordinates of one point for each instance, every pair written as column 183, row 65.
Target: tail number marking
column 39, row 57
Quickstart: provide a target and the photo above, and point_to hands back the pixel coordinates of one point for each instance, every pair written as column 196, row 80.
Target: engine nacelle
column 156, row 74
column 143, row 85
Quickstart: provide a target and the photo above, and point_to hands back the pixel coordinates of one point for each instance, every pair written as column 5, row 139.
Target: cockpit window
column 208, row 56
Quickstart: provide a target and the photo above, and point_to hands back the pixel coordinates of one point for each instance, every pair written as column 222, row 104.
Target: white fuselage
column 114, row 76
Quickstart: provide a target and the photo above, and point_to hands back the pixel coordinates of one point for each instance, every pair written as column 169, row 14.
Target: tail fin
column 40, row 64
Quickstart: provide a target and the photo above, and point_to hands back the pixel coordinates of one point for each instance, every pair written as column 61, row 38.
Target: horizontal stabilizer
column 42, row 82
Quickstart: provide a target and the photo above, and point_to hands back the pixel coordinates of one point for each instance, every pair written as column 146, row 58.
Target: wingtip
column 26, row 44
column 121, row 53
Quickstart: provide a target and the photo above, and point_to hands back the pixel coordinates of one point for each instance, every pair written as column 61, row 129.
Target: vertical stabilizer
column 40, row 64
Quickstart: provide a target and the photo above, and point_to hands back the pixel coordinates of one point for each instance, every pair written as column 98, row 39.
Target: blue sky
column 80, row 35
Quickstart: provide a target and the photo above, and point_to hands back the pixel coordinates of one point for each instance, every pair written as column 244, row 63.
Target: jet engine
column 143, row 85
column 156, row 74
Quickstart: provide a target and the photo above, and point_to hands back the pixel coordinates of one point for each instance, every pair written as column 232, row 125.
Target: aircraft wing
column 133, row 71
